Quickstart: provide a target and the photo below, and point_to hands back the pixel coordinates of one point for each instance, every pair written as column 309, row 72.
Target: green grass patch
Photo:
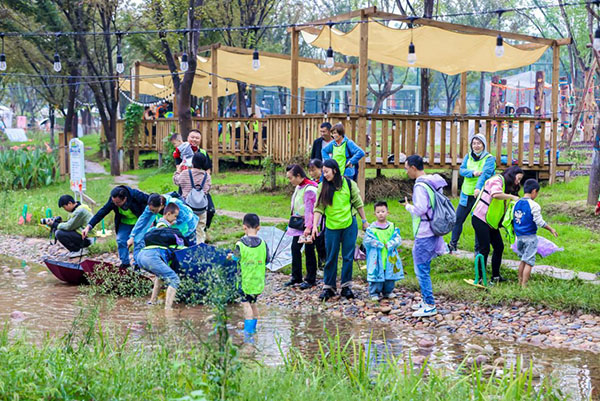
column 92, row 148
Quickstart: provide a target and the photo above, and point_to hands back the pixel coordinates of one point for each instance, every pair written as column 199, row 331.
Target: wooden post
column 214, row 112
column 302, row 104
column 540, row 79
column 494, row 96
column 61, row 154
column 564, row 105
column 362, row 97
column 463, row 93
column 554, row 138
column 135, row 80
column 353, row 109
column 294, row 59
column 253, row 99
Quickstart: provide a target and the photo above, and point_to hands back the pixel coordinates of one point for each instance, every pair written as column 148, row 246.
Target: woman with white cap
column 477, row 167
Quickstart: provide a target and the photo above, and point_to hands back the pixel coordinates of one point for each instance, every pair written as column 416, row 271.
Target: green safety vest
column 384, row 235
column 339, row 155
column 253, row 265
column 339, row 214
column 299, row 206
column 469, row 183
column 255, row 126
column 202, row 151
column 127, row 217
column 496, row 207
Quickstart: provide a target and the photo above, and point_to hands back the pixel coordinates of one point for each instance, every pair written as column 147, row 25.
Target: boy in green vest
column 252, row 254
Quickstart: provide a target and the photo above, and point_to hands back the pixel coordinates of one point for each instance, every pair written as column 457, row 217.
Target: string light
column 2, row 55
column 120, row 66
column 412, row 56
column 255, row 57
column 57, row 65
column 499, row 41
column 329, row 59
column 183, row 65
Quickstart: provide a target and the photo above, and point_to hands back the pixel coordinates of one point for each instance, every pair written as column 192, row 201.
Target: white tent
column 6, row 117
column 520, row 90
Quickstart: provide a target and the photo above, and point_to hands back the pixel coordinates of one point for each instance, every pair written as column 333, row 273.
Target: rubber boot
column 249, row 330
column 170, row 297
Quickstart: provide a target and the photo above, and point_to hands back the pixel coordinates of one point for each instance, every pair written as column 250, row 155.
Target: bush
column 27, row 168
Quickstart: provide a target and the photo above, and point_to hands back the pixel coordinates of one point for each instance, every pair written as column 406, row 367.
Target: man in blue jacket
column 344, row 151
column 128, row 205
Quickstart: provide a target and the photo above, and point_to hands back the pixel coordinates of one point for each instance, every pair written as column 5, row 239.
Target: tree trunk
column 243, row 109
column 424, row 91
column 51, row 118
column 183, row 110
column 594, row 187
column 115, row 169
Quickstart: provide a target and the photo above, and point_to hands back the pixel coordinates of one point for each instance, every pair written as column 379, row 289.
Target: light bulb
column 210, row 84
column 2, row 62
column 57, row 64
column 412, row 56
column 120, row 66
column 303, row 112
column 596, row 44
column 184, row 63
column 499, row 46
column 329, row 59
column 325, row 116
column 348, row 117
column 226, row 90
column 255, row 60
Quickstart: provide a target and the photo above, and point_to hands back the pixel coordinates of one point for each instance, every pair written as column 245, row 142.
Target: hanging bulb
column 184, row 66
column 120, row 66
column 329, row 59
column 499, row 46
column 255, row 60
column 2, row 62
column 226, row 89
column 325, row 116
column 412, row 56
column 348, row 116
column 57, row 64
column 210, row 84
column 596, row 44
column 303, row 112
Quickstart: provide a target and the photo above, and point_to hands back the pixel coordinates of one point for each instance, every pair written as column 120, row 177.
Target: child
column 315, row 170
column 527, row 218
column 183, row 151
column 157, row 254
column 253, row 256
column 384, row 266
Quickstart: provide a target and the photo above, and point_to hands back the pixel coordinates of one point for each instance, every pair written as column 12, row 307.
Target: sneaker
column 391, row 295
column 417, row 306
column 327, row 294
column 452, row 247
column 498, row 279
column 77, row 254
column 306, row 285
column 375, row 298
column 347, row 293
column 124, row 267
column 426, row 310
column 292, row 282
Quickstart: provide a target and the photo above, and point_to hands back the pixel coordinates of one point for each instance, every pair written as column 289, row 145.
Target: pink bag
column 359, row 253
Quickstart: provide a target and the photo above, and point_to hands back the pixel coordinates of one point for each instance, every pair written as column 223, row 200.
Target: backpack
column 507, row 222
column 197, row 199
column 164, row 237
column 444, row 216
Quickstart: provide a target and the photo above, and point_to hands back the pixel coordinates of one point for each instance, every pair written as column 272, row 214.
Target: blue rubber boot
column 249, row 330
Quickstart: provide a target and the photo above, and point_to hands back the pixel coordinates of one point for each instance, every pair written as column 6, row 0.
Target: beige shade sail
column 273, row 71
column 439, row 49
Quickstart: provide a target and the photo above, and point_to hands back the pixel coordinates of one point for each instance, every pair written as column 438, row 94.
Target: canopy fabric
column 273, row 71
column 442, row 50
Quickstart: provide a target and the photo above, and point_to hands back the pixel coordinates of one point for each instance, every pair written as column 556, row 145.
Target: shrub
column 27, row 168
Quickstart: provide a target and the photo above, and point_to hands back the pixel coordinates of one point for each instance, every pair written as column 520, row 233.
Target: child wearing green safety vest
column 252, row 255
column 157, row 255
column 384, row 266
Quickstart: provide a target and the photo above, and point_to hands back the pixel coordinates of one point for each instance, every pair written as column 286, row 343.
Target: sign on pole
column 77, row 166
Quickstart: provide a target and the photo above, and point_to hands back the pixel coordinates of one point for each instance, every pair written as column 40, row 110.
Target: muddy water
column 50, row 306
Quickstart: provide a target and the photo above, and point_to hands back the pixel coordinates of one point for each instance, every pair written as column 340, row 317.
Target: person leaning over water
column 338, row 198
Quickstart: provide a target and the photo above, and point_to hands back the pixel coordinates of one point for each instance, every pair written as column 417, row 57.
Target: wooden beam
column 135, row 81
column 470, row 29
column 554, row 137
column 463, row 93
column 353, row 109
column 294, row 74
column 365, row 12
column 302, row 104
column 363, row 65
column 253, row 99
column 214, row 110
column 208, row 48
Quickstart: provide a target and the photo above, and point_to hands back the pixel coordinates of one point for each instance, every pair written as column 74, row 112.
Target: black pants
column 71, row 240
column 210, row 211
column 321, row 249
column 486, row 235
column 311, row 262
column 462, row 212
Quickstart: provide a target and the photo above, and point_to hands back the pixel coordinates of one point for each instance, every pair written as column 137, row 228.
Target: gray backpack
column 444, row 216
column 197, row 199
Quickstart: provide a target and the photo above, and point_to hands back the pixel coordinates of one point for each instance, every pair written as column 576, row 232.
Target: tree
column 385, row 85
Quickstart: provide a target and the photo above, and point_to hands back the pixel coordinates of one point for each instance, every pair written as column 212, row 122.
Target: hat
column 481, row 138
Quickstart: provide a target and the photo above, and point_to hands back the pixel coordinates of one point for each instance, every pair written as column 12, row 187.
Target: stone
column 385, row 309
column 481, row 359
column 499, row 361
column 544, row 330
column 17, row 315
column 425, row 343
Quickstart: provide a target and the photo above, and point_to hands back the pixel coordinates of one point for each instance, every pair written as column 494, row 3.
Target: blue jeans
column 422, row 271
column 155, row 260
column 333, row 238
column 383, row 287
column 122, row 237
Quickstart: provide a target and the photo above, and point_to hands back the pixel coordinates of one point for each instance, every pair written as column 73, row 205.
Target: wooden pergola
column 364, row 15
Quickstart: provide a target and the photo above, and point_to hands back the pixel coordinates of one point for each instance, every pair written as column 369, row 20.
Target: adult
column 344, row 151
column 489, row 209
column 128, row 205
column 477, row 167
column 186, row 221
column 322, row 141
column 302, row 208
column 182, row 179
column 427, row 246
column 68, row 233
column 338, row 198
column 315, row 170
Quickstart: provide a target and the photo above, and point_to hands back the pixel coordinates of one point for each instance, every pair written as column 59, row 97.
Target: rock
column 481, row 359
column 17, row 315
column 474, row 348
column 17, row 272
column 385, row 309
column 425, row 343
column 42, row 273
column 418, row 359
column 544, row 330
column 499, row 361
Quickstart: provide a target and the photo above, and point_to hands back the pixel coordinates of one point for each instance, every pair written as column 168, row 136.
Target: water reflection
column 50, row 307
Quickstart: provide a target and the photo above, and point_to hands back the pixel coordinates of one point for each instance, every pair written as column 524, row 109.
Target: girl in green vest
column 488, row 212
column 477, row 167
column 338, row 198
column 303, row 203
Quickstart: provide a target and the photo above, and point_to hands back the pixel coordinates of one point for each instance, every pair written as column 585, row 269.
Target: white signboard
column 77, row 165
column 16, row 134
